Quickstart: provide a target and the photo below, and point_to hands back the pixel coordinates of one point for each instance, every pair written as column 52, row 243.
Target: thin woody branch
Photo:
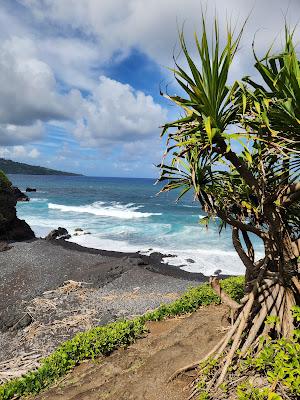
column 292, row 198
column 285, row 194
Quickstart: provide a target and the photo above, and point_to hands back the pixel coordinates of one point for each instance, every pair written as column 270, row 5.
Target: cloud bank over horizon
column 80, row 78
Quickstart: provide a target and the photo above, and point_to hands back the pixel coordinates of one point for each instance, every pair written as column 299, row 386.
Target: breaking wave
column 101, row 209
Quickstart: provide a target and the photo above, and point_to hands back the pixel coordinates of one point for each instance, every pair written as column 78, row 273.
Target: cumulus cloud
column 17, row 134
column 52, row 52
column 115, row 112
column 27, row 85
column 152, row 26
column 19, row 152
column 74, row 60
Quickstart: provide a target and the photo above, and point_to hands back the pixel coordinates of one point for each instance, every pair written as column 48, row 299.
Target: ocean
column 127, row 214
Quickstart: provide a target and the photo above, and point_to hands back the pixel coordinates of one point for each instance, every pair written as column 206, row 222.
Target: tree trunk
column 272, row 290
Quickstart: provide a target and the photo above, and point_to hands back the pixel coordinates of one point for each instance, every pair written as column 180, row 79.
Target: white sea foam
column 38, row 200
column 115, row 210
column 95, row 242
column 205, row 261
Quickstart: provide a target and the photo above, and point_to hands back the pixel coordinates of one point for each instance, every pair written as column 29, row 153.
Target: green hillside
column 13, row 167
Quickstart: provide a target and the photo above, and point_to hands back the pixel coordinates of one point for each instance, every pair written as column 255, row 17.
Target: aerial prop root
column 269, row 297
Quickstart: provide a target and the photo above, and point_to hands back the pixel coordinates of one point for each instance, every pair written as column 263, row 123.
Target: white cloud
column 16, row 134
column 73, row 60
column 34, row 153
column 51, row 53
column 19, row 152
column 27, row 85
column 151, row 26
column 117, row 113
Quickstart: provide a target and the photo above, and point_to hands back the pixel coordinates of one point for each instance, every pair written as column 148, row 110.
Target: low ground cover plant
column 273, row 373
column 105, row 339
column 277, row 364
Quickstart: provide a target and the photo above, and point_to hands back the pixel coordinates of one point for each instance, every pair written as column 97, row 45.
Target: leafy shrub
column 103, row 340
column 279, row 363
column 248, row 392
column 198, row 296
column 234, row 287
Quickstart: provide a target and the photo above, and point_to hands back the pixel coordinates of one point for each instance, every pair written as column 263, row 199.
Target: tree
column 254, row 190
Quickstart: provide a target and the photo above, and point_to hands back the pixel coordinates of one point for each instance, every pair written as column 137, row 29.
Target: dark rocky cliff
column 11, row 227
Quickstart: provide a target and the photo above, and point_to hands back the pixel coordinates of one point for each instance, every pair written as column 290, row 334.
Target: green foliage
column 234, row 287
column 247, row 391
column 279, row 360
column 4, row 181
column 90, row 344
column 104, row 340
column 236, row 146
column 279, row 364
column 198, row 296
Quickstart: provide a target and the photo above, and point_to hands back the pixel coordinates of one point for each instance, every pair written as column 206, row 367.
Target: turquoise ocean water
column 126, row 214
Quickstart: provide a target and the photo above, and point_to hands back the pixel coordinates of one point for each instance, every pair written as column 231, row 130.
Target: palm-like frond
column 236, row 184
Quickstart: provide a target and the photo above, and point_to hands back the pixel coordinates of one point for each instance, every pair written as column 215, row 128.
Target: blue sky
column 80, row 79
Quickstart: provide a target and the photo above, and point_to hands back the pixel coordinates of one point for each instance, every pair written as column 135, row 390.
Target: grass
column 105, row 339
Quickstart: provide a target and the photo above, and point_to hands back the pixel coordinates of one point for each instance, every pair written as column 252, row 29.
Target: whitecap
column 115, row 210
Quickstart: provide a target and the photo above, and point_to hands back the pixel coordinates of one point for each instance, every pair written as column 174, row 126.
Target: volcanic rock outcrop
column 11, row 227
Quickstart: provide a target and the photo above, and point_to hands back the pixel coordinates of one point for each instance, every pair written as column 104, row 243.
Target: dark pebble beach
column 37, row 304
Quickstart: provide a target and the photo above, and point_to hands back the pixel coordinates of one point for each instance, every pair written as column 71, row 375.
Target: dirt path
column 141, row 371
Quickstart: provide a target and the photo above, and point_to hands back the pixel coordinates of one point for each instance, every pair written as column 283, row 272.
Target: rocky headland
column 11, row 227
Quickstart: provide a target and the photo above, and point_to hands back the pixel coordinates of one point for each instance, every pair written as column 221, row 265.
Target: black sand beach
column 51, row 290
column 31, row 268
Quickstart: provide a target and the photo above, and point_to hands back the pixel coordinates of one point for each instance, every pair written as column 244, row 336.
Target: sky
column 80, row 79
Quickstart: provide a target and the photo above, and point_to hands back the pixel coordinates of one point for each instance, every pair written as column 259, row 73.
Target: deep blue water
column 127, row 215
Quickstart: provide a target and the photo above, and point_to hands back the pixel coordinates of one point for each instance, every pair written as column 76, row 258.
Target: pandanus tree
column 237, row 146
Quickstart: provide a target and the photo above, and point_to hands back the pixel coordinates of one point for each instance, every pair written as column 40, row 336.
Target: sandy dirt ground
column 141, row 371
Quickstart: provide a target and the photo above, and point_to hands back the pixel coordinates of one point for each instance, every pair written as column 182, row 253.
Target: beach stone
column 157, row 257
column 107, row 318
column 4, row 246
column 30, row 189
column 190, row 260
column 65, row 237
column 59, row 233
column 136, row 261
column 78, row 230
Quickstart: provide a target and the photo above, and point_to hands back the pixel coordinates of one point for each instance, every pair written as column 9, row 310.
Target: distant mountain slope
column 13, row 167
